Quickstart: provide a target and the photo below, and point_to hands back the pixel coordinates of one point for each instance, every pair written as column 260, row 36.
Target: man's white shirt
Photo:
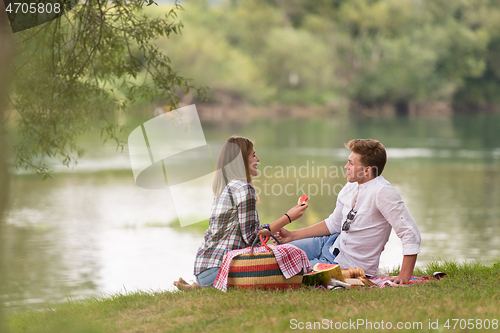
column 379, row 207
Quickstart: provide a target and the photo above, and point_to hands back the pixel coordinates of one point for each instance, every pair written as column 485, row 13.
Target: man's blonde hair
column 372, row 153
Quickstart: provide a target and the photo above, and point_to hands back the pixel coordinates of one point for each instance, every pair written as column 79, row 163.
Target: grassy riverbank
column 470, row 293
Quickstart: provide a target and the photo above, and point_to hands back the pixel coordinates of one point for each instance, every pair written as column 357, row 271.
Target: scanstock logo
column 170, row 152
column 25, row 14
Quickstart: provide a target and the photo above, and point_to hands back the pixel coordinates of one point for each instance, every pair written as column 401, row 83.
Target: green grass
column 471, row 291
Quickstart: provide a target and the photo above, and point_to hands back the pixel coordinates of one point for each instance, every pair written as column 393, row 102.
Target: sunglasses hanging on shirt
column 350, row 216
column 348, row 220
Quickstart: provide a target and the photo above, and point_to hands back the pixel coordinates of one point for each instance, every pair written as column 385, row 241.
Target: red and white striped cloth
column 291, row 260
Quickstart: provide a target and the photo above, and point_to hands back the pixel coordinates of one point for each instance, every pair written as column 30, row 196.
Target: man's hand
column 278, row 237
column 316, row 230
column 284, row 236
column 399, row 279
column 406, row 270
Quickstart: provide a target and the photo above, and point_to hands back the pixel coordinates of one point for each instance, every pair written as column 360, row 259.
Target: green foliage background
column 370, row 51
column 76, row 72
column 79, row 71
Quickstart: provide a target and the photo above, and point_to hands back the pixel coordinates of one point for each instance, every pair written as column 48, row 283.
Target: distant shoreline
column 240, row 112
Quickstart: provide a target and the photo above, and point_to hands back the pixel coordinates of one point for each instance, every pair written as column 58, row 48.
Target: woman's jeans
column 207, row 277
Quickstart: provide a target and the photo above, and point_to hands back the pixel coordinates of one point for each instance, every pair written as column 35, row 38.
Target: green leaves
column 76, row 72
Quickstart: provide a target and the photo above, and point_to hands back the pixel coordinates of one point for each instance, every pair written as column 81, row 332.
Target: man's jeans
column 317, row 248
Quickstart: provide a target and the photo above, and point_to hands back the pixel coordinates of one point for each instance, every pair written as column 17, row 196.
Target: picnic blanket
column 291, row 260
column 383, row 281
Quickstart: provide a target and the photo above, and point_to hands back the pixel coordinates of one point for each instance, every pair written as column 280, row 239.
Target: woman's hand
column 297, row 211
column 264, row 233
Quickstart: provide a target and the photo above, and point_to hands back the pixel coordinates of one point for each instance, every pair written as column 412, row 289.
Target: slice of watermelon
column 316, row 279
column 303, row 199
column 334, row 270
column 321, row 275
column 319, row 267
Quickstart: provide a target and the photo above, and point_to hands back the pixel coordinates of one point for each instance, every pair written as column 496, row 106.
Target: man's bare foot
column 183, row 285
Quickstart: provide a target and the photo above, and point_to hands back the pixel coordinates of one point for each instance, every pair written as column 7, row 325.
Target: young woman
column 234, row 222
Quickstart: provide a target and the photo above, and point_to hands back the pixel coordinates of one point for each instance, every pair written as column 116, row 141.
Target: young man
column 355, row 234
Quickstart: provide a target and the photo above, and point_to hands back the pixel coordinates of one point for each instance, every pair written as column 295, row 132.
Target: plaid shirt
column 234, row 224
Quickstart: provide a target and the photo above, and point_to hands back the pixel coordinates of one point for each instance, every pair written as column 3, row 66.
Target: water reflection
column 91, row 230
column 86, row 234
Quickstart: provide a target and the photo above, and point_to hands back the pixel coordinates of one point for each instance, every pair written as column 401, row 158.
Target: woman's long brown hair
column 224, row 174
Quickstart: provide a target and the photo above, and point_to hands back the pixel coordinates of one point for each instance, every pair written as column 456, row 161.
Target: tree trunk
column 6, row 54
column 402, row 108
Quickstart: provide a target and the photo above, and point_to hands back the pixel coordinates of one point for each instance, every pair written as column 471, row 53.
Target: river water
column 92, row 231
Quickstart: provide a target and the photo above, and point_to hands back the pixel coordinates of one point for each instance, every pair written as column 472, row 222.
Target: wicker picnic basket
column 260, row 270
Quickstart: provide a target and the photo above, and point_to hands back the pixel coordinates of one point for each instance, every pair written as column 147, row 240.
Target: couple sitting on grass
column 354, row 235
